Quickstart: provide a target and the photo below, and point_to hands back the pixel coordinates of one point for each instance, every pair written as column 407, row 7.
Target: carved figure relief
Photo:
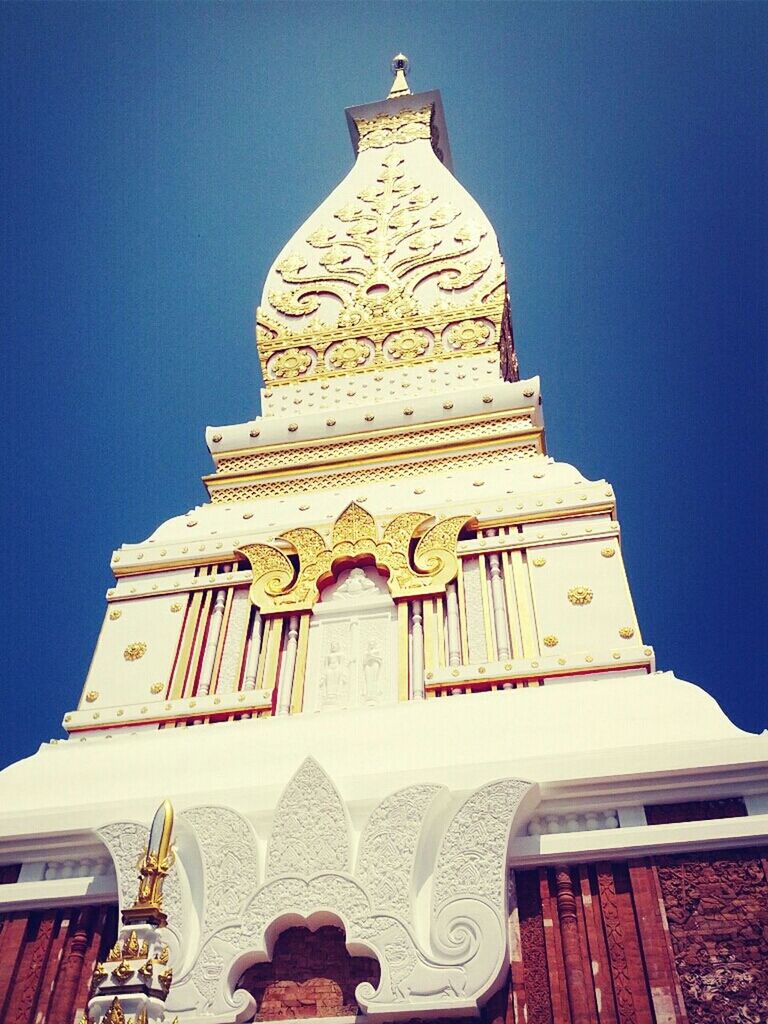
column 352, row 655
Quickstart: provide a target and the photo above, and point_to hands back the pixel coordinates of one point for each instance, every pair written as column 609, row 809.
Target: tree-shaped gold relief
column 352, row 291
column 278, row 585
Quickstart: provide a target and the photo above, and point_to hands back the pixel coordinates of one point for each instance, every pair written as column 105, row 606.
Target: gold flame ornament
column 413, row 568
column 153, row 867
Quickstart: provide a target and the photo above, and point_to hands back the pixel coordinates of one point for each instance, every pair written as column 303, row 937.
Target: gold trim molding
column 278, row 586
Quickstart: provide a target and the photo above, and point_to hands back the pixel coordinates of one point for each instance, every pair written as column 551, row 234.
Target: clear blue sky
column 155, row 157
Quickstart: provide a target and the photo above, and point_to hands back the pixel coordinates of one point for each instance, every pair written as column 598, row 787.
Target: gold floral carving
column 157, row 687
column 626, row 632
column 91, row 696
column 580, row 595
column 348, row 355
column 550, row 641
column 291, row 363
column 386, row 129
column 280, row 585
column 135, row 651
column 406, row 345
column 115, row 614
column 373, row 254
column 608, row 552
column 469, row 334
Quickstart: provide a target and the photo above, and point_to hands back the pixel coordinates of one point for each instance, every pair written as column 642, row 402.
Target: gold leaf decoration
column 135, row 651
column 406, row 345
column 355, row 535
column 291, row 363
column 580, row 595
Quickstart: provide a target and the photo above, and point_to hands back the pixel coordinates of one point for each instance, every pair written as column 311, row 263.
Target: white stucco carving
column 446, row 962
column 352, row 656
column 310, row 833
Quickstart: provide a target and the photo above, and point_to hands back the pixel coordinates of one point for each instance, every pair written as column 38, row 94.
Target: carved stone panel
column 352, row 658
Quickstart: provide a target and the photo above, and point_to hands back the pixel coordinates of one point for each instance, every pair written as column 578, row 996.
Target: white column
column 454, row 627
column 214, row 629
column 500, row 623
column 417, row 651
column 252, row 658
column 289, row 664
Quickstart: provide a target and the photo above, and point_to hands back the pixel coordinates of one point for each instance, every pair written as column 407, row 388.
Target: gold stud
column 193, row 703
column 330, row 422
column 156, row 687
column 168, row 706
column 481, row 669
column 144, row 711
column 119, row 712
column 550, row 641
column 455, row 672
column 135, row 651
column 589, row 658
column 508, row 666
column 534, row 664
column 216, row 438
column 616, row 655
column 116, row 558
column 487, row 399
column 67, row 718
column 247, row 515
column 447, row 405
column 191, row 522
column 369, row 418
column 561, row 661
column 254, row 433
column 408, row 411
column 115, row 614
column 626, row 632
column 608, row 552
column 96, row 714
column 217, row 700
column 528, row 393
column 91, row 696
column 538, row 562
column 293, row 427
column 175, row 607
column 647, row 652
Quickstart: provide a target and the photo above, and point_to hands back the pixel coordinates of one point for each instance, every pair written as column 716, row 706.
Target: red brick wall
column 311, row 974
column 695, row 810
column 680, row 939
column 46, row 961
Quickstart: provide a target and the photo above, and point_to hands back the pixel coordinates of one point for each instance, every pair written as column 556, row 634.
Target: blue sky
column 155, row 157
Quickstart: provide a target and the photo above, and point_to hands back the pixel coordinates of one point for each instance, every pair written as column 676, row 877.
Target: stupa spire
column 400, row 68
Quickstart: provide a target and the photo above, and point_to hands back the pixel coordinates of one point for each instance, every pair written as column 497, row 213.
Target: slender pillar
column 569, row 932
column 254, row 646
column 289, row 664
column 68, row 980
column 417, row 651
column 454, row 627
column 500, row 621
column 212, row 642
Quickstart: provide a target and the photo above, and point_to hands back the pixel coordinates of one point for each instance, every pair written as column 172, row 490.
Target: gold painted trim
column 220, row 482
column 462, row 613
column 189, row 630
column 430, row 634
column 266, row 629
column 523, row 599
column 197, row 647
column 381, row 433
column 513, row 613
column 403, row 651
column 272, row 660
column 535, row 680
column 441, row 630
column 300, row 671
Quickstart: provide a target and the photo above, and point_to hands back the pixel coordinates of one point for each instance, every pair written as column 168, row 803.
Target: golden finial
column 154, row 866
column 400, row 68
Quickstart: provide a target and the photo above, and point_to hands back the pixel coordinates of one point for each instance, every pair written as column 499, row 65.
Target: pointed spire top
column 400, row 68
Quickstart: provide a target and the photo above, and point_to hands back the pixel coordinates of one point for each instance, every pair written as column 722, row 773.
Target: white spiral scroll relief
column 446, row 962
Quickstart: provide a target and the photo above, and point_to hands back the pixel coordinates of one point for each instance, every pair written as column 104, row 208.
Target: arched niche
column 311, row 974
column 352, row 655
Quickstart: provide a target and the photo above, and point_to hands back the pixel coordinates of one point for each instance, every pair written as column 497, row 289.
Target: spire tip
column 400, row 68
